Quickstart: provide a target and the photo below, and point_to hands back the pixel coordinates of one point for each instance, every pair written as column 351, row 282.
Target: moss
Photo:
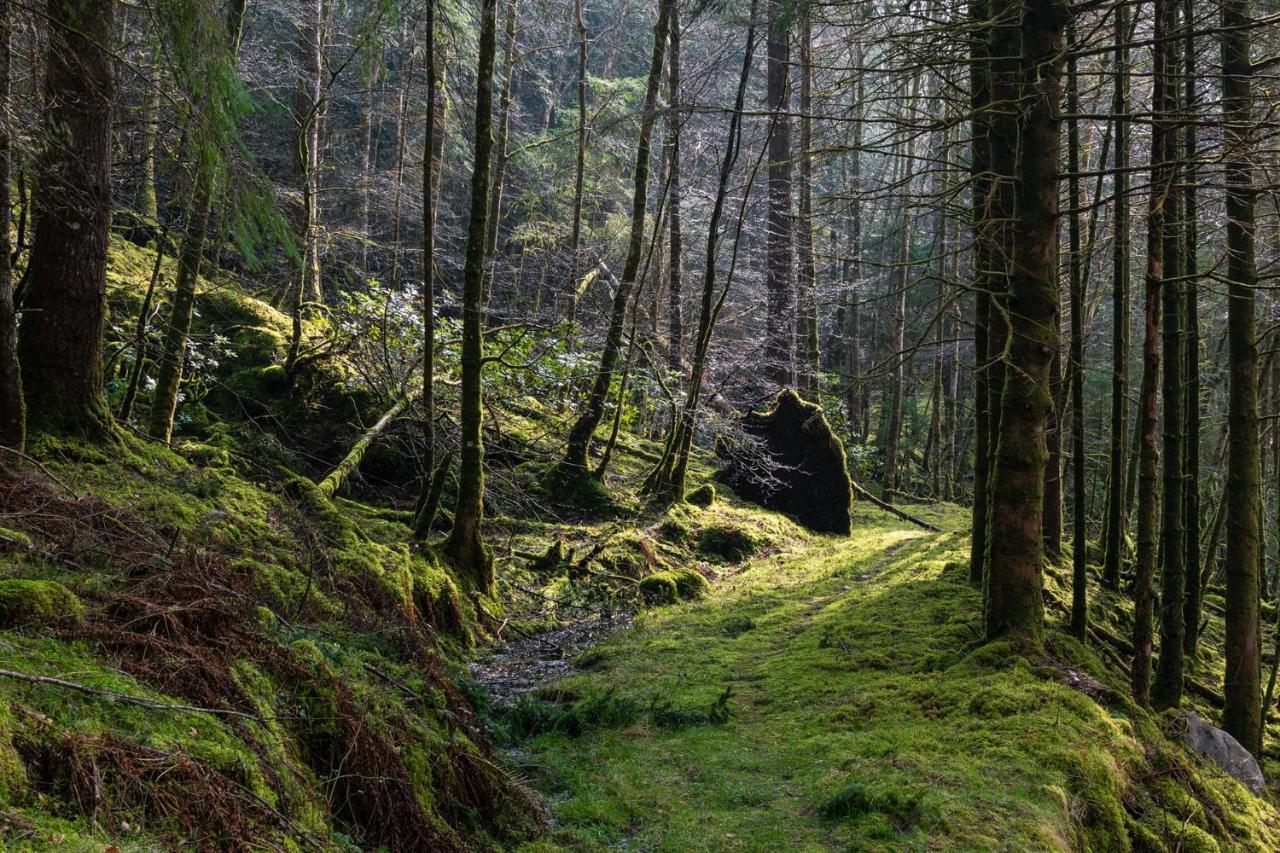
column 1097, row 787
column 659, row 588
column 703, row 496
column 25, row 602
column 690, row 584
column 728, row 542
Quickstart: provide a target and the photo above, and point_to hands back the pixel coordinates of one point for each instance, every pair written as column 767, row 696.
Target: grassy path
column 849, row 689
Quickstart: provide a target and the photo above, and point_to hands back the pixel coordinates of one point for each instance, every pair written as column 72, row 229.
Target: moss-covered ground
column 864, row 713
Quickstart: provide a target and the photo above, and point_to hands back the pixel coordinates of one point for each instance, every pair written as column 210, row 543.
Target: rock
column 1214, row 744
column 789, row 460
column 703, row 496
column 26, row 601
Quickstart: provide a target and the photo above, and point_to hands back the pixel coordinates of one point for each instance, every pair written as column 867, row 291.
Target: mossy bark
column 1242, row 714
column 1167, row 690
column 13, row 411
column 1079, row 532
column 64, row 310
column 980, row 158
column 1116, row 462
column 575, row 463
column 1027, row 41
column 464, row 546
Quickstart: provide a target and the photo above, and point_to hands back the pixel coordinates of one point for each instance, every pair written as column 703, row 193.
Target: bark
column 980, row 162
column 465, row 547
column 575, row 239
column 1191, row 360
column 780, row 323
column 807, row 290
column 500, row 156
column 428, row 296
column 675, row 316
column 306, row 167
column 853, row 267
column 1242, row 714
column 178, row 329
column 1167, row 690
column 13, row 410
column 64, row 308
column 1113, row 547
column 1079, row 545
column 1029, row 76
column 575, row 459
column 337, row 478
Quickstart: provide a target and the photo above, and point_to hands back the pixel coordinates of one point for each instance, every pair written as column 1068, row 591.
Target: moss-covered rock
column 728, row 542
column 32, row 601
column 690, row 584
column 788, row 459
column 659, row 588
column 704, row 495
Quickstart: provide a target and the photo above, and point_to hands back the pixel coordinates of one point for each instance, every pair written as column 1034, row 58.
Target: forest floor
column 862, row 714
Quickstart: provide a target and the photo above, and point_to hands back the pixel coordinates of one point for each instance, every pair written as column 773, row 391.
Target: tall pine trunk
column 780, row 323
column 465, row 547
column 64, row 309
column 980, row 180
column 1242, row 712
column 575, row 458
column 13, row 412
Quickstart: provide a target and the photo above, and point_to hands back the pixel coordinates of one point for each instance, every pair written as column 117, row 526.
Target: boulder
column 788, row 459
column 1214, row 744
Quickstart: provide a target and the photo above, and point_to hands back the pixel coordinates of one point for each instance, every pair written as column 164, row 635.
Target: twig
column 43, row 469
column 123, row 697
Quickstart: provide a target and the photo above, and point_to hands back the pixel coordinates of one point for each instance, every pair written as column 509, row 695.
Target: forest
column 548, row 425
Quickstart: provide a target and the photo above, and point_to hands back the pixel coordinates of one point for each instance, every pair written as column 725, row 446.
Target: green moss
column 25, row 602
column 703, row 496
column 659, row 588
column 690, row 584
column 728, row 542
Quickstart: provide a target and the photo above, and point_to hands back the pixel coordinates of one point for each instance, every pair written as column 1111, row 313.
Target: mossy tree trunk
column 430, row 168
column 780, row 297
column 807, row 290
column 1191, row 346
column 64, row 310
column 465, row 547
column 1148, row 492
column 1167, row 690
column 980, row 161
column 13, row 412
column 178, row 329
column 1113, row 547
column 675, row 259
column 1242, row 712
column 1027, row 51
column 579, row 173
column 1079, row 545
column 575, row 463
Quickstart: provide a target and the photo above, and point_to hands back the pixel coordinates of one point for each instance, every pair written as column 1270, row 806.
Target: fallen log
column 338, row 477
column 890, row 508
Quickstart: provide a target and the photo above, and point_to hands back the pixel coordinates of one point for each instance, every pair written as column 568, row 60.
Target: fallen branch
column 890, row 508
column 334, row 481
column 123, row 697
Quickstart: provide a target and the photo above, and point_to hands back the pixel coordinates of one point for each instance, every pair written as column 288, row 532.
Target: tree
column 64, row 309
column 465, row 546
column 1027, row 57
column 575, row 457
column 13, row 410
column 165, row 402
column 779, row 351
column 1242, row 710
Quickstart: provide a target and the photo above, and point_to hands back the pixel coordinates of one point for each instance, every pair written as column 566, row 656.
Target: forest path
column 833, row 657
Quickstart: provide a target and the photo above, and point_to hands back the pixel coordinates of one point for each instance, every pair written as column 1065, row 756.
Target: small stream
column 527, row 663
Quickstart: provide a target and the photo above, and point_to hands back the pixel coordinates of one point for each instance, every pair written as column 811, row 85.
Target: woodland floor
column 863, row 715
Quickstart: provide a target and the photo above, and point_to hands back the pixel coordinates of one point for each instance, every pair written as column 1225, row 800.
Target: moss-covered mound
column 788, row 459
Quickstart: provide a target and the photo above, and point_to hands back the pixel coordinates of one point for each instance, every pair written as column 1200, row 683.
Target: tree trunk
column 13, row 412
column 575, row 459
column 1032, row 30
column 675, row 261
column 430, row 475
column 1242, row 714
column 575, row 239
column 1079, row 545
column 60, row 341
column 1116, row 463
column 500, row 155
column 465, row 547
column 979, row 176
column 807, row 291
column 779, row 324
column 1167, row 690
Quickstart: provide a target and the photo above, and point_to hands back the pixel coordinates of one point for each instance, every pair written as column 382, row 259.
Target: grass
column 866, row 714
